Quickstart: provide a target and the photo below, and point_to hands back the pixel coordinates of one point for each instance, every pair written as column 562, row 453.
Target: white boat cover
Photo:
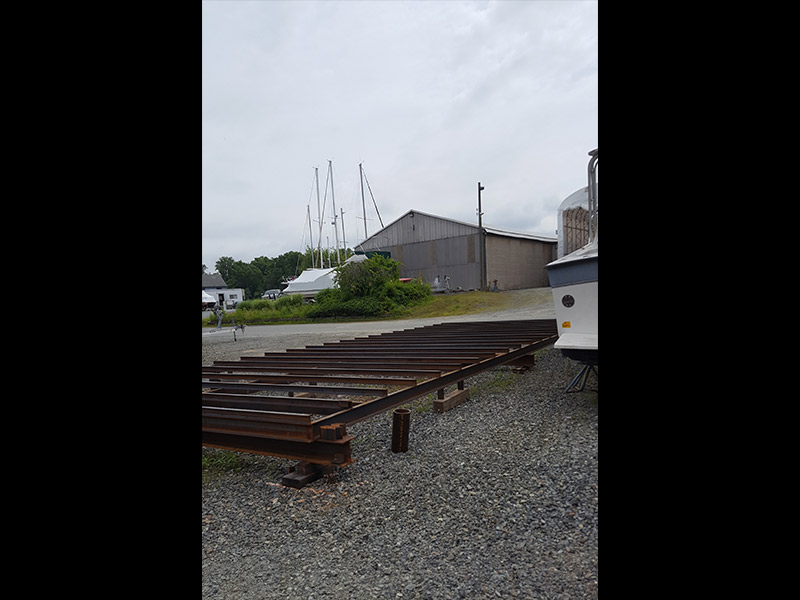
column 311, row 281
column 208, row 297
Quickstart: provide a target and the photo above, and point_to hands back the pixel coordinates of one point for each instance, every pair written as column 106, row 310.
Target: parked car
column 271, row 295
column 230, row 303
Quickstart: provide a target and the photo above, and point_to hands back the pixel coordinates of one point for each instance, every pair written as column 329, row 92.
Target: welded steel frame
column 235, row 418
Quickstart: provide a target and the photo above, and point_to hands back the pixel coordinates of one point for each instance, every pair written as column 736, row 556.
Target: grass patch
column 217, row 463
column 264, row 312
column 500, row 379
column 462, row 303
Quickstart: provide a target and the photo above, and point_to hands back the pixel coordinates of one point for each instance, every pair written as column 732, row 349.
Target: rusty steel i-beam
column 297, row 404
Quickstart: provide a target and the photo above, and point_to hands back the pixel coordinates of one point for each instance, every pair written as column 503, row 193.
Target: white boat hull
column 577, row 323
column 573, row 280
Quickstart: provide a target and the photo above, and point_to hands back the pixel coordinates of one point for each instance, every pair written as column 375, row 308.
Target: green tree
column 328, row 257
column 275, row 270
column 367, row 277
column 248, row 277
column 224, row 265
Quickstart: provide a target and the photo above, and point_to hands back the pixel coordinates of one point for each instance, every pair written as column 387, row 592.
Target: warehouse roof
column 520, row 234
column 213, row 280
column 490, row 230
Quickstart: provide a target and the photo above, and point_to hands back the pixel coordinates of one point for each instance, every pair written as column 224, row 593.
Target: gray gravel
column 496, row 498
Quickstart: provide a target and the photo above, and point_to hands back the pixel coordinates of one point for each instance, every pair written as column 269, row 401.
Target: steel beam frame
column 308, row 422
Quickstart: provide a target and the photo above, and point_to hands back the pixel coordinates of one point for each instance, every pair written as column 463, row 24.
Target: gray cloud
column 432, row 96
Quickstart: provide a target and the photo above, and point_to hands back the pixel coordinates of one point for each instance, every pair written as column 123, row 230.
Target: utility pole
column 482, row 235
column 480, row 214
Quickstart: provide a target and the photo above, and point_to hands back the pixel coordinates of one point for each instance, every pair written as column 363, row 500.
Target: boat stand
column 579, row 381
column 232, row 329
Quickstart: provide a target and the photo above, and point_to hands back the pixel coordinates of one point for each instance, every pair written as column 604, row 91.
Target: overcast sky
column 432, row 96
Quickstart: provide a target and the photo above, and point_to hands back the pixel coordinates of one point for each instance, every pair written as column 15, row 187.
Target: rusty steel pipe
column 401, row 421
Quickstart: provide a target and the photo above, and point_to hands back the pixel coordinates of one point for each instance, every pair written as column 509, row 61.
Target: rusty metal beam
column 357, row 360
column 324, row 452
column 314, row 406
column 310, row 376
column 379, row 405
column 259, row 423
column 300, row 371
column 280, row 387
column 237, row 416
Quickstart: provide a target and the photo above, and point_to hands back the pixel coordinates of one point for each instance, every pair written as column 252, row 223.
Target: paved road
column 536, row 303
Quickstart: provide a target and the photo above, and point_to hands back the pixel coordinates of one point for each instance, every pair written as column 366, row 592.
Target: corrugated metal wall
column 431, row 247
column 517, row 263
column 450, row 257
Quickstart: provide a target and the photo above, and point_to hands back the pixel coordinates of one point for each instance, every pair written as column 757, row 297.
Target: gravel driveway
column 535, row 303
column 496, row 498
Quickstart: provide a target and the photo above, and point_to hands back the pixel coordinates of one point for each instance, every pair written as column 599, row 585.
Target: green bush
column 329, row 296
column 260, row 304
column 407, row 294
column 368, row 277
column 287, row 302
column 354, row 307
column 369, row 289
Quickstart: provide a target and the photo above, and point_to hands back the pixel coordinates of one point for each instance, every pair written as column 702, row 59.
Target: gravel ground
column 496, row 498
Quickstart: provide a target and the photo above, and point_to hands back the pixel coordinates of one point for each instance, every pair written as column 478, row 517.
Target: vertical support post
column 401, row 421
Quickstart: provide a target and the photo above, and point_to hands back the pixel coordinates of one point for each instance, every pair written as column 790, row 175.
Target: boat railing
column 593, row 221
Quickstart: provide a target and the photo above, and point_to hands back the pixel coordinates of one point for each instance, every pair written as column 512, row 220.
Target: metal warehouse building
column 435, row 248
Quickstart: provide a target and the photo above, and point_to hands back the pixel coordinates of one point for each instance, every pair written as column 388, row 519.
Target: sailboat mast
column 344, row 237
column 319, row 219
column 373, row 199
column 310, row 233
column 363, row 205
column 335, row 229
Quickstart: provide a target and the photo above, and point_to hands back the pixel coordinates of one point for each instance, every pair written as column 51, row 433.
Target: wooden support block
column 304, row 473
column 303, row 468
column 523, row 362
column 450, row 400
